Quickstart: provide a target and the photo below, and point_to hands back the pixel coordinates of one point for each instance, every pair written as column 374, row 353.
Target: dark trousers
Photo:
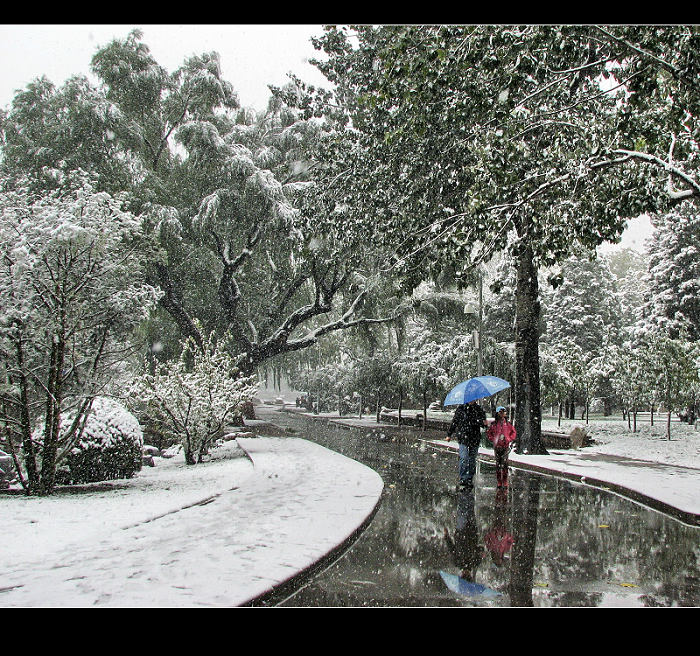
column 501, row 467
column 501, row 459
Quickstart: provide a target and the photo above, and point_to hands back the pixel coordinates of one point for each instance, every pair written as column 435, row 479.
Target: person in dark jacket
column 466, row 426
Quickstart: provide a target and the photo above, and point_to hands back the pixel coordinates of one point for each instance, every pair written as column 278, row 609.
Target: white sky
column 252, row 56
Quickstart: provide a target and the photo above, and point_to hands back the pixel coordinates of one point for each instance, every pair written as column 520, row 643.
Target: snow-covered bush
column 194, row 397
column 110, row 446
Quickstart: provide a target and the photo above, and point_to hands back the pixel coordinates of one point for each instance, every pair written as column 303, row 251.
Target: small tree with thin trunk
column 674, row 372
column 71, row 290
column 194, row 397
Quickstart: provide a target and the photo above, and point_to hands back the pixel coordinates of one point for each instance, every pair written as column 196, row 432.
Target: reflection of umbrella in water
column 468, row 588
column 474, row 389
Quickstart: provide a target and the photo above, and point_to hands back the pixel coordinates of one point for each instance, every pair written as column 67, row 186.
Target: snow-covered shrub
column 110, row 446
column 7, row 470
column 195, row 397
column 72, row 290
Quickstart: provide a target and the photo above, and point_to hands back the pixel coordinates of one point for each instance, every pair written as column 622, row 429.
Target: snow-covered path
column 299, row 502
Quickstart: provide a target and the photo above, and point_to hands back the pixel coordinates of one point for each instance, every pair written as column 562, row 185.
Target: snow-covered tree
column 630, row 378
column 192, row 399
column 218, row 190
column 628, row 267
column 583, row 306
column 554, row 380
column 471, row 140
column 673, row 372
column 657, row 122
column 673, row 275
column 423, row 373
column 575, row 373
column 71, row 291
column 51, row 131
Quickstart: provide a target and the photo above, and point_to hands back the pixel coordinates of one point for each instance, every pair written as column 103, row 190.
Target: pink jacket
column 501, row 433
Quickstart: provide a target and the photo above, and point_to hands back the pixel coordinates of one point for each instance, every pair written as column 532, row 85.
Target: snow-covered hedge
column 110, row 447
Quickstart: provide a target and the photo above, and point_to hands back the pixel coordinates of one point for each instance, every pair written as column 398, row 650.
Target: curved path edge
column 669, row 489
column 353, row 488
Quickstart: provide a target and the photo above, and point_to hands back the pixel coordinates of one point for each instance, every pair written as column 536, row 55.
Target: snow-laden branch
column 344, row 322
column 671, row 68
column 674, row 171
column 625, row 156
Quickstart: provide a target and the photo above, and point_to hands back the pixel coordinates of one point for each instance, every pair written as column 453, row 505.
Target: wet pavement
column 544, row 542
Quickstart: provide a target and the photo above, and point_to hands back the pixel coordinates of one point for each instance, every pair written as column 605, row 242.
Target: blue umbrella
column 474, row 389
column 461, row 586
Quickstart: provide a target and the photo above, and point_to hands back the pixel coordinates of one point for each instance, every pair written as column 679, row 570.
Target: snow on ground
column 42, row 525
column 253, row 528
column 613, row 437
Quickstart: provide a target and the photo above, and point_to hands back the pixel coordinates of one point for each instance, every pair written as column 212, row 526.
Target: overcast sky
column 252, row 56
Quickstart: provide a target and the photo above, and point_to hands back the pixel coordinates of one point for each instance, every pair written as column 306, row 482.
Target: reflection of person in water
column 498, row 540
column 465, row 547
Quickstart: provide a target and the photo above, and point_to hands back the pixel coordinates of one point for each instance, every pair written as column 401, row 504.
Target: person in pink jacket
column 501, row 434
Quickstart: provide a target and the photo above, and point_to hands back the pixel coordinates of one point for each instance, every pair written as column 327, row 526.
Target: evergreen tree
column 582, row 308
column 628, row 267
column 672, row 299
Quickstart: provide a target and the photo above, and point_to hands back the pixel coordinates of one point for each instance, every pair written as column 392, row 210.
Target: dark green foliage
column 121, row 458
column 110, row 447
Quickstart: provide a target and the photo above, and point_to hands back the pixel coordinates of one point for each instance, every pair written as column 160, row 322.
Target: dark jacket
column 467, row 424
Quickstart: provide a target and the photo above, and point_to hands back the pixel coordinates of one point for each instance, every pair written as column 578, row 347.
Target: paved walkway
column 670, row 489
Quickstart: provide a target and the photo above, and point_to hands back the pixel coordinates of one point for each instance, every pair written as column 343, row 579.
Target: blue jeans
column 467, row 462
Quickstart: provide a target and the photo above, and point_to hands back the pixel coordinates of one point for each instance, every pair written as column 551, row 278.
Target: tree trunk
column 528, row 414
column 28, row 450
column 53, row 417
column 607, row 407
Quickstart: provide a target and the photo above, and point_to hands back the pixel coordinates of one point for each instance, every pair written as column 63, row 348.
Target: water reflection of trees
column 526, row 503
column 570, row 541
column 583, row 535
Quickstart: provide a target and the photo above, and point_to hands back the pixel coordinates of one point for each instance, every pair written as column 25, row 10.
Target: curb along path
column 670, row 489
